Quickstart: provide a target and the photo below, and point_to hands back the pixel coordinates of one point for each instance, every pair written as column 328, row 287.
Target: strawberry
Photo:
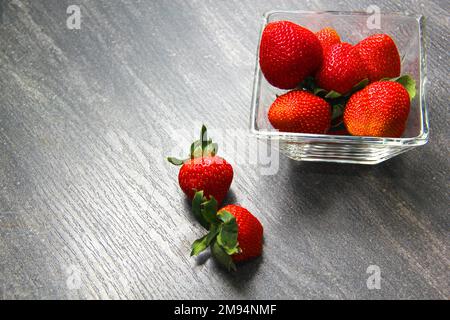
column 204, row 170
column 341, row 69
column 300, row 111
column 328, row 37
column 288, row 53
column 211, row 174
column 235, row 235
column 380, row 57
column 380, row 110
column 250, row 233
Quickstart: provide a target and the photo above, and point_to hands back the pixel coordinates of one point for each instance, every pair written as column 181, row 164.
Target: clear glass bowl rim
column 421, row 139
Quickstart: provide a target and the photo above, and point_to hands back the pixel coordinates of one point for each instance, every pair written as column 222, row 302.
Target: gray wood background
column 90, row 209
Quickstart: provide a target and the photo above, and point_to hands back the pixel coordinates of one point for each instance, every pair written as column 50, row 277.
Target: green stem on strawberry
column 222, row 234
column 203, row 147
column 310, row 85
column 222, row 256
column 337, row 112
column 197, row 208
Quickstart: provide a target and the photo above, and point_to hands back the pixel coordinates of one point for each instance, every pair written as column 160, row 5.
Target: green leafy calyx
column 310, row 85
column 406, row 81
column 203, row 147
column 222, row 234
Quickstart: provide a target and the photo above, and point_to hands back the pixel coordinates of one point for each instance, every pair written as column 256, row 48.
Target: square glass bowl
column 407, row 32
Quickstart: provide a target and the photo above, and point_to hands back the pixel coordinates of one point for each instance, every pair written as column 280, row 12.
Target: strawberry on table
column 204, row 170
column 235, row 235
column 342, row 68
column 380, row 110
column 288, row 53
column 250, row 233
column 300, row 111
column 380, row 57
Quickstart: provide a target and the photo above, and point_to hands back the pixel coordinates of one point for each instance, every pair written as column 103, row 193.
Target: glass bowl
column 407, row 32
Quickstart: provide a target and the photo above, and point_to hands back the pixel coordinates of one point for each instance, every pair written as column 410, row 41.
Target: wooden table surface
column 89, row 208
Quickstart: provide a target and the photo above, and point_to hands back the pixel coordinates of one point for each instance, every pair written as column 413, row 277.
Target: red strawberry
column 250, row 233
column 328, row 37
column 380, row 110
column 204, row 170
column 234, row 235
column 300, row 111
column 380, row 56
column 288, row 53
column 341, row 69
column 213, row 175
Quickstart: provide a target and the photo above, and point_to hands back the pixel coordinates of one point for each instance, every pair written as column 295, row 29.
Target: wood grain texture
column 90, row 209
